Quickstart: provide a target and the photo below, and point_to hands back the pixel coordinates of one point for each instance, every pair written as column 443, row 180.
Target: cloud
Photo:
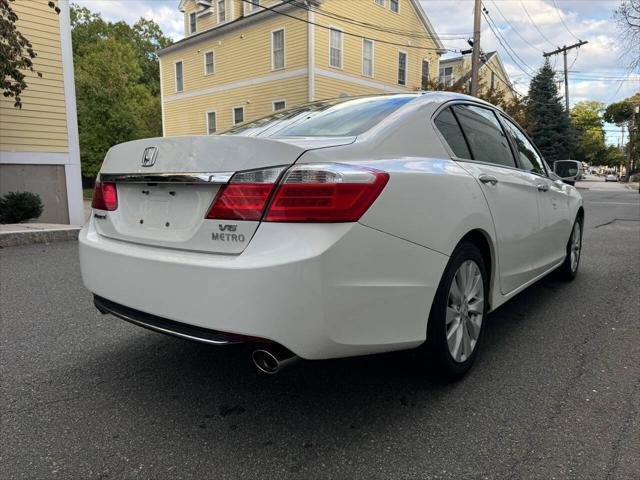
column 597, row 70
column 163, row 12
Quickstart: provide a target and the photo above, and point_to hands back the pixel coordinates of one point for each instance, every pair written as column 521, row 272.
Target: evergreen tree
column 548, row 122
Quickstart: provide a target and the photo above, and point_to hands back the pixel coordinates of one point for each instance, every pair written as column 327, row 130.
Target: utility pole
column 475, row 55
column 564, row 51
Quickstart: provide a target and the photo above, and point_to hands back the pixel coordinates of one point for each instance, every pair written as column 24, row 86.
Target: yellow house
column 456, row 71
column 244, row 59
column 39, row 149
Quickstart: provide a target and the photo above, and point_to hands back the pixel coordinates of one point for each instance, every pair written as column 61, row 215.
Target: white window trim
column 247, row 7
column 380, row 4
column 204, row 63
column 233, row 114
column 195, row 23
column 331, row 28
column 175, row 76
column 406, row 68
column 273, row 104
column 284, row 49
column 428, row 70
column 206, row 119
column 226, row 12
column 373, row 56
column 398, row 12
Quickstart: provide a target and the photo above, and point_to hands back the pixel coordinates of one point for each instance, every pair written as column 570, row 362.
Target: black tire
column 567, row 271
column 435, row 351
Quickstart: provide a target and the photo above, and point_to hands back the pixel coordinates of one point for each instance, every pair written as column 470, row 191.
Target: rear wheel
column 569, row 269
column 457, row 314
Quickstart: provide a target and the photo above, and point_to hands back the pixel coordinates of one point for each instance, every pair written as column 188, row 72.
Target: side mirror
column 568, row 170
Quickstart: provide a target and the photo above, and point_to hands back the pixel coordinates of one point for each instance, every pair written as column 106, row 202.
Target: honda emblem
column 149, row 156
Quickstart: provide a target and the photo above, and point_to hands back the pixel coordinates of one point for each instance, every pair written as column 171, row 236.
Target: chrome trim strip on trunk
column 205, row 178
column 162, row 325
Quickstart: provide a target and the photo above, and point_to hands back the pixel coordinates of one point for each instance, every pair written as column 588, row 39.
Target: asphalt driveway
column 555, row 392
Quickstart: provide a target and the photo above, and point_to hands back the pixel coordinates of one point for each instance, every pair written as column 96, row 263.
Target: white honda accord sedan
column 339, row 228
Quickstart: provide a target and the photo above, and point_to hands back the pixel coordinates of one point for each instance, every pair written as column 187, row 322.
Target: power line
column 350, row 34
column 515, row 29
column 408, row 33
column 500, row 39
column 562, row 20
column 535, row 25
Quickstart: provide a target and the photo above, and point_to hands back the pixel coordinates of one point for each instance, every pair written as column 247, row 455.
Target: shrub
column 635, row 177
column 17, row 207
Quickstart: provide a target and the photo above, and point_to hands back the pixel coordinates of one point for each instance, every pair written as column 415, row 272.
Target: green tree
column 113, row 107
column 586, row 119
column 117, row 83
column 613, row 157
column 16, row 54
column 547, row 121
column 145, row 37
column 624, row 114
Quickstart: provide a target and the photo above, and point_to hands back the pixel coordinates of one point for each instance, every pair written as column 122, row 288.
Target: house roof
column 280, row 7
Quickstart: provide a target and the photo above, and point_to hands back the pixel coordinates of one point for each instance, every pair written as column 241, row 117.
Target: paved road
column 555, row 393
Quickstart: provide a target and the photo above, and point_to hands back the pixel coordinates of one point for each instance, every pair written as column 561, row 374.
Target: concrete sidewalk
column 27, row 233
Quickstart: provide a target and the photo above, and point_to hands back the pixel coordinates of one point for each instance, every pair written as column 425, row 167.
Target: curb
column 28, row 237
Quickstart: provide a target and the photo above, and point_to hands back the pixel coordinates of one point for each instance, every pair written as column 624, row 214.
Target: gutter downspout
column 311, row 48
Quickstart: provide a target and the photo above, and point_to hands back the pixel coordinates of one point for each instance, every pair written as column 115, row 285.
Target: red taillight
column 325, row 193
column 330, row 192
column 245, row 196
column 105, row 196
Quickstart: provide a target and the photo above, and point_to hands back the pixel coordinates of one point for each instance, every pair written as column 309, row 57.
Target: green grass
column 87, row 193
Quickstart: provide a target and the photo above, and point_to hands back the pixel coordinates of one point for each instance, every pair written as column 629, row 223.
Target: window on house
column 179, row 80
column 367, row 57
column 335, row 48
column 211, row 122
column 208, row 63
column 251, row 6
column 277, row 49
column 238, row 115
column 222, row 10
column 402, row 68
column 379, row 2
column 192, row 22
column 493, row 80
column 446, row 76
column 424, row 75
column 394, row 5
column 279, row 105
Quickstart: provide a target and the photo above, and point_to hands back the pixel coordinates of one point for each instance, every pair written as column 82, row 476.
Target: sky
column 520, row 30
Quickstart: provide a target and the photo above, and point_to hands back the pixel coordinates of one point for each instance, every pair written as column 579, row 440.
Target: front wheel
column 569, row 269
column 457, row 314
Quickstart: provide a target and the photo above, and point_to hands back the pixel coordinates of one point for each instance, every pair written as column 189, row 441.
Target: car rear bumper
column 320, row 290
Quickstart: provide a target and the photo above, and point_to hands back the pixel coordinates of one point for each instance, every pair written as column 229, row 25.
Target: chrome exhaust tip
column 271, row 362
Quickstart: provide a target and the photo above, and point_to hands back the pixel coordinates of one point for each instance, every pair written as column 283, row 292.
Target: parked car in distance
column 611, row 177
column 343, row 227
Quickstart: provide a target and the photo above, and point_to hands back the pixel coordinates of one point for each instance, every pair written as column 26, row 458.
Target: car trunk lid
column 165, row 187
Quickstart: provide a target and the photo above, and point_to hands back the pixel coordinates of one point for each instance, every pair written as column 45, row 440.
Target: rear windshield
column 330, row 118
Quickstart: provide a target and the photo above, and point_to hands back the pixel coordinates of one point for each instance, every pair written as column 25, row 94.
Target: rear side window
column 528, row 157
column 450, row 130
column 487, row 139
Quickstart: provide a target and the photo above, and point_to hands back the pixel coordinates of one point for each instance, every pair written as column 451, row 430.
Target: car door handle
column 488, row 179
column 543, row 187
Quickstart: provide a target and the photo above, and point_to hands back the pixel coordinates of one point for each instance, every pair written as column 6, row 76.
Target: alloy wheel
column 465, row 309
column 576, row 246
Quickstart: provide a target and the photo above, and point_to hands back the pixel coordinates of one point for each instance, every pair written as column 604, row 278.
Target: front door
column 553, row 202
